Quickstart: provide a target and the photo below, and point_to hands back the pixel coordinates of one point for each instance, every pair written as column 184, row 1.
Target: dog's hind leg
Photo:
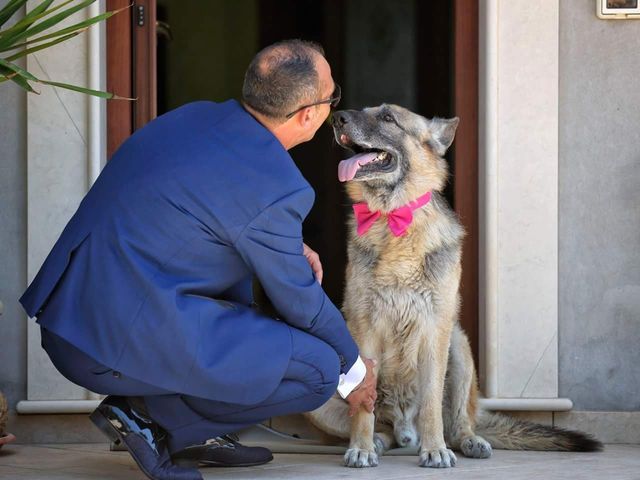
column 383, row 438
column 460, row 400
column 332, row 417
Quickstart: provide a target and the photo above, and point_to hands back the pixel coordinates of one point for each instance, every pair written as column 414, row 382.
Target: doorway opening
column 420, row 55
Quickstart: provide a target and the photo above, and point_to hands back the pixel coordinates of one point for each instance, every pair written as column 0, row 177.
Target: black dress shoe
column 223, row 451
column 143, row 438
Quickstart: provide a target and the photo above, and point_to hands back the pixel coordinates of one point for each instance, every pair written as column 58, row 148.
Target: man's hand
column 364, row 394
column 314, row 260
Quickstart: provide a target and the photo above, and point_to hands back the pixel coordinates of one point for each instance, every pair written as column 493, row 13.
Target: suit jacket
column 152, row 274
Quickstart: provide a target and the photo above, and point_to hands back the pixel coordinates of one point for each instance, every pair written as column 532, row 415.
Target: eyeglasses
column 334, row 100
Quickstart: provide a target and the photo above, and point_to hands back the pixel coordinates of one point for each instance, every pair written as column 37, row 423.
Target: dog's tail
column 508, row 433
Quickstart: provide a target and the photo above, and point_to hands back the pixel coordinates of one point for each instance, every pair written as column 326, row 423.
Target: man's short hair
column 282, row 77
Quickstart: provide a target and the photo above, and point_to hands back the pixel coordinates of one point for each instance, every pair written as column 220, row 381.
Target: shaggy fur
column 402, row 302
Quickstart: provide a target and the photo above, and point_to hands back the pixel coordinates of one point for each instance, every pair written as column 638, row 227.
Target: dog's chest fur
column 397, row 288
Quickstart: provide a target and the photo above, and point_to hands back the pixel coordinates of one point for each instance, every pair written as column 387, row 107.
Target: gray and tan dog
column 402, row 301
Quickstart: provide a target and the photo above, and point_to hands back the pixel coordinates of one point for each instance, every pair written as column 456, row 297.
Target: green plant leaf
column 56, row 19
column 13, row 37
column 24, row 84
column 31, row 17
column 9, row 9
column 78, row 27
column 27, row 27
column 76, row 88
column 8, row 74
column 97, row 93
column 15, row 68
column 40, row 47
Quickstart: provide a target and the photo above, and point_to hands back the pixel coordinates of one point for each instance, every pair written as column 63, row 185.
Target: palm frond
column 41, row 19
column 9, row 9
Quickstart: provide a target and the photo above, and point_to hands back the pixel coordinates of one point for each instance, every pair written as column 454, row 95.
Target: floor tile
column 96, row 462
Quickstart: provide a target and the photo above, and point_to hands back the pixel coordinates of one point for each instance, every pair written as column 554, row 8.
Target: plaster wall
column 599, row 220
column 13, row 239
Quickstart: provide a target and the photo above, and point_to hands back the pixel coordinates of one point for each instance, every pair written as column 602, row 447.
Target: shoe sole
column 105, row 426
column 185, row 463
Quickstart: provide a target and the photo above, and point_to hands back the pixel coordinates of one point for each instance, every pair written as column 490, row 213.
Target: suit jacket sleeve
column 271, row 245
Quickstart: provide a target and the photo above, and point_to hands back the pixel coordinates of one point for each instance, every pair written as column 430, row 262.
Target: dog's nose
column 339, row 119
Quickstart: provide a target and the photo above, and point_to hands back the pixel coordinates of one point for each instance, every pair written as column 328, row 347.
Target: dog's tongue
column 347, row 168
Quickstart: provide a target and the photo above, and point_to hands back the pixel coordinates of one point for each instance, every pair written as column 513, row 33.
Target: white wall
column 13, row 239
column 58, row 176
column 519, row 198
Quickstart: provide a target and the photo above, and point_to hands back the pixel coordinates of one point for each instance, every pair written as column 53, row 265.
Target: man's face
column 327, row 87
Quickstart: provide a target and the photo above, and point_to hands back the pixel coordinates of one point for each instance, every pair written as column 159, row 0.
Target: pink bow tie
column 398, row 220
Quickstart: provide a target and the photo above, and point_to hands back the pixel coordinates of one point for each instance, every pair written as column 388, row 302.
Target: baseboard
column 64, row 428
column 608, row 427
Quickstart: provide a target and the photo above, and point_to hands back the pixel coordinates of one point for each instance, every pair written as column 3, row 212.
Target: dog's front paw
column 439, row 458
column 476, row 447
column 360, row 458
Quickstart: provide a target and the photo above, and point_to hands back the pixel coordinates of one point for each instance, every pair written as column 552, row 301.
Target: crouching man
column 146, row 296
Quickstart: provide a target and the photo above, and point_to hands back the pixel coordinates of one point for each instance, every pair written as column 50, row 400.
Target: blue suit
column 152, row 275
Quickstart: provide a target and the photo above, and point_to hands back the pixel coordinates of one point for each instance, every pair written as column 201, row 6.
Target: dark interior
column 209, row 51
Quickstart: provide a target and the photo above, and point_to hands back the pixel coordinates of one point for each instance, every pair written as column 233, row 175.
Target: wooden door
column 131, row 69
column 465, row 156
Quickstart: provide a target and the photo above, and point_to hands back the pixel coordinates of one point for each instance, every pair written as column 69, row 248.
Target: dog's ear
column 442, row 132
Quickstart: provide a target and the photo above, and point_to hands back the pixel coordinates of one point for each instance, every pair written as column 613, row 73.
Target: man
column 146, row 296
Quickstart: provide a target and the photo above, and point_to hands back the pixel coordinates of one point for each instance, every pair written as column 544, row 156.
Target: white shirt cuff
column 351, row 379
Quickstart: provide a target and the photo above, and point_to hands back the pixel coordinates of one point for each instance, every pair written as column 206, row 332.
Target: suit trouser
column 310, row 379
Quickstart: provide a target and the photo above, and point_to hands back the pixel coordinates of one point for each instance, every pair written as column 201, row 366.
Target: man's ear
column 305, row 116
column 443, row 130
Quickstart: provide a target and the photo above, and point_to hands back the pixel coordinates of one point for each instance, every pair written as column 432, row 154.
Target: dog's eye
column 388, row 118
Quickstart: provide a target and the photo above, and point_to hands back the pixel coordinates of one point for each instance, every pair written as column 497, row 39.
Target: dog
column 402, row 302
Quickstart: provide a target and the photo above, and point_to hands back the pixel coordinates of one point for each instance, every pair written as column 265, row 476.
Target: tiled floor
column 95, row 461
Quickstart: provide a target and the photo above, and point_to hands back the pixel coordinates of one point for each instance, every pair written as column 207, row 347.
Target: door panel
column 131, row 69
column 119, row 112
column 144, row 61
column 465, row 156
